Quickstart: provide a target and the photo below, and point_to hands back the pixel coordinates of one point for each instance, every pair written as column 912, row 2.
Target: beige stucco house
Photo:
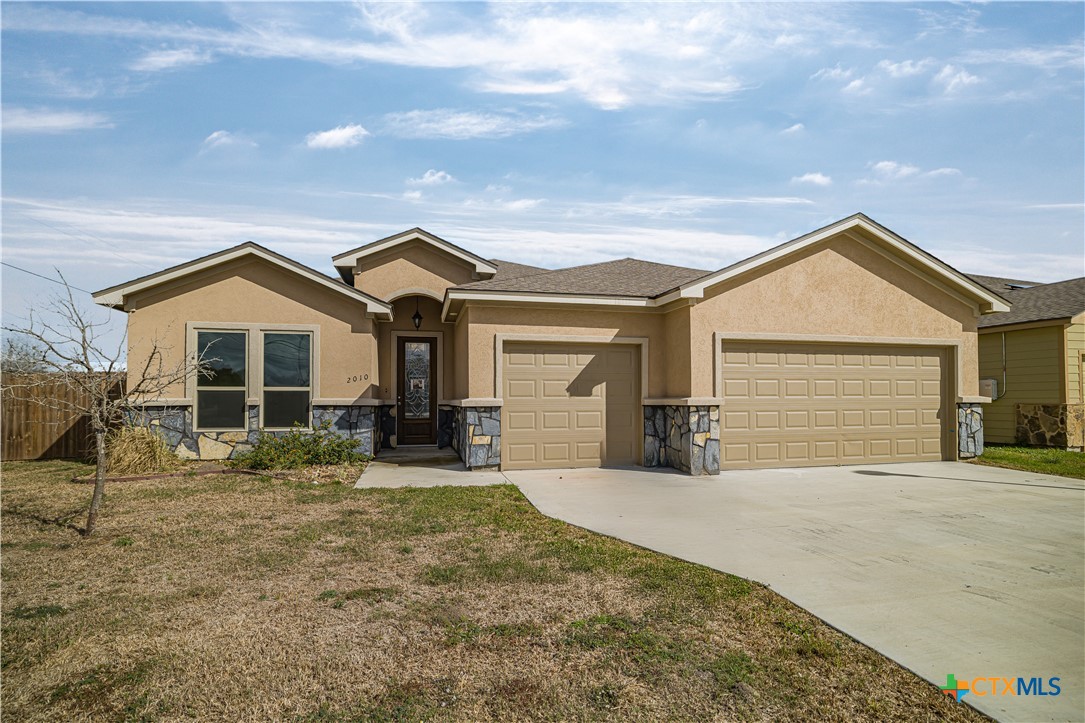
column 846, row 345
column 1033, row 359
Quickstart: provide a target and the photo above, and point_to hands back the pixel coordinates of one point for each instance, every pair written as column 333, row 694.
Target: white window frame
column 196, row 389
column 262, row 390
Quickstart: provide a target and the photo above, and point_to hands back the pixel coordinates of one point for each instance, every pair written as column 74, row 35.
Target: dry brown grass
column 241, row 598
column 138, row 450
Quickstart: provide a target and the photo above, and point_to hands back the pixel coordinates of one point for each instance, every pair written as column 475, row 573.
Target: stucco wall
column 839, row 288
column 414, row 265
column 431, row 322
column 488, row 321
column 462, row 362
column 1033, row 376
column 251, row 291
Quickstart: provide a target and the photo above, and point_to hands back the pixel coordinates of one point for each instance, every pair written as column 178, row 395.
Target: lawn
column 248, row 598
column 1034, row 459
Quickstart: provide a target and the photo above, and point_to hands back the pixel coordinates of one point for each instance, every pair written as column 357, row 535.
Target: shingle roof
column 511, row 270
column 1060, row 300
column 624, row 277
column 999, row 284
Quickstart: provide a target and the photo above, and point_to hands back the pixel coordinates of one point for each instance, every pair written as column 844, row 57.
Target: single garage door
column 796, row 405
column 570, row 405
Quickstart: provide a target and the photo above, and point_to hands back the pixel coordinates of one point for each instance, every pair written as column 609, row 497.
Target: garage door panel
column 554, row 421
column 591, row 421
column 799, row 404
column 570, row 405
column 521, row 422
column 520, row 389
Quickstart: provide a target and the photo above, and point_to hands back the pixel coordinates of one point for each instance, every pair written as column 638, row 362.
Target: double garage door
column 799, row 405
column 784, row 405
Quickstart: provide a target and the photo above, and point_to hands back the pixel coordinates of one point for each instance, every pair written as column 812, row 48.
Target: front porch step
column 427, row 456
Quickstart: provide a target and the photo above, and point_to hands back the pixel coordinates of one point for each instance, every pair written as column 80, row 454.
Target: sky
column 140, row 135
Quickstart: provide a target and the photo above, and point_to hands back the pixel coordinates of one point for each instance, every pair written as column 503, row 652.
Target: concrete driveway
column 944, row 567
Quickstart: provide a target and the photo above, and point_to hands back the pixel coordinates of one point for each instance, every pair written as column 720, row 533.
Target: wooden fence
column 32, row 430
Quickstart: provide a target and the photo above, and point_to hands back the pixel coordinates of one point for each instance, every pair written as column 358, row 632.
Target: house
column 846, row 345
column 1035, row 356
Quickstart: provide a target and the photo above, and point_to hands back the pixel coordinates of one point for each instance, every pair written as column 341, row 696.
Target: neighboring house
column 1035, row 353
column 846, row 345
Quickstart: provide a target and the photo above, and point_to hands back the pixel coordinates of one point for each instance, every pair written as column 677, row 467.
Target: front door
column 417, row 404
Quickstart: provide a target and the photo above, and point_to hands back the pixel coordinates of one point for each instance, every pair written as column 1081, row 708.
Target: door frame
column 438, row 373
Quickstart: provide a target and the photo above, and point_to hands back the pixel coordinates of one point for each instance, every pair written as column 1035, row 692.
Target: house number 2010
column 358, row 377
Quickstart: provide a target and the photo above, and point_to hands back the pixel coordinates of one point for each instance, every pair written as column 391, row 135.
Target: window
column 220, row 389
column 287, row 386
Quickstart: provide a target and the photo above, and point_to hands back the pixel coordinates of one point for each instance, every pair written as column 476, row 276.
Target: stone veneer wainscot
column 174, row 425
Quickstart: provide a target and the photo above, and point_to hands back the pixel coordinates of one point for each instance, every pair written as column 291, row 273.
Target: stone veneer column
column 476, row 436
column 684, row 437
column 969, row 430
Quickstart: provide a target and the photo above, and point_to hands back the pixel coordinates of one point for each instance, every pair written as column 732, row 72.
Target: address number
column 358, row 378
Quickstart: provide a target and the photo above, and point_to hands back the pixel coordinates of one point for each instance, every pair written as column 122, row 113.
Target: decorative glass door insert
column 416, row 373
column 417, row 391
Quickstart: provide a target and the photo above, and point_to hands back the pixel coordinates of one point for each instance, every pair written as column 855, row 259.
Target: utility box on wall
column 989, row 388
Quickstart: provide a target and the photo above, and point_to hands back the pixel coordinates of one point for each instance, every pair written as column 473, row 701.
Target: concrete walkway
column 424, row 467
column 947, row 568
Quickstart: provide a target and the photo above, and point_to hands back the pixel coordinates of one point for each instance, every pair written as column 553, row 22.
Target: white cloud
column 160, row 60
column 661, row 206
column 1056, row 206
column 888, row 171
column 818, row 179
column 412, row 195
column 954, row 79
column 431, row 177
column 1049, row 58
column 857, row 87
column 893, row 171
column 791, row 130
column 462, row 125
column 905, row 68
column 834, row 73
column 339, row 137
column 226, row 139
column 611, row 56
column 43, row 120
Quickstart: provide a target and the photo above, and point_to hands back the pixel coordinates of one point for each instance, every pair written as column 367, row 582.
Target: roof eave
column 987, row 301
column 346, row 261
column 116, row 296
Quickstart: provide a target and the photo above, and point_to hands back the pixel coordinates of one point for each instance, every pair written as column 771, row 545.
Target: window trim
column 262, row 389
column 254, row 360
column 195, row 382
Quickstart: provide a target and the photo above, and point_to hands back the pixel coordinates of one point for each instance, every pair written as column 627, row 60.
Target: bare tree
column 76, row 355
column 22, row 356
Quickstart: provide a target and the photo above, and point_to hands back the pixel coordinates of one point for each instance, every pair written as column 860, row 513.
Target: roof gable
column 115, row 296
column 922, row 262
column 346, row 261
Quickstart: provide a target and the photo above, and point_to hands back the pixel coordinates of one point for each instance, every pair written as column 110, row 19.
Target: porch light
column 417, row 318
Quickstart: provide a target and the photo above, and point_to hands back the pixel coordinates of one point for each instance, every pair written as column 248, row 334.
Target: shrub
column 300, row 448
column 138, row 450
